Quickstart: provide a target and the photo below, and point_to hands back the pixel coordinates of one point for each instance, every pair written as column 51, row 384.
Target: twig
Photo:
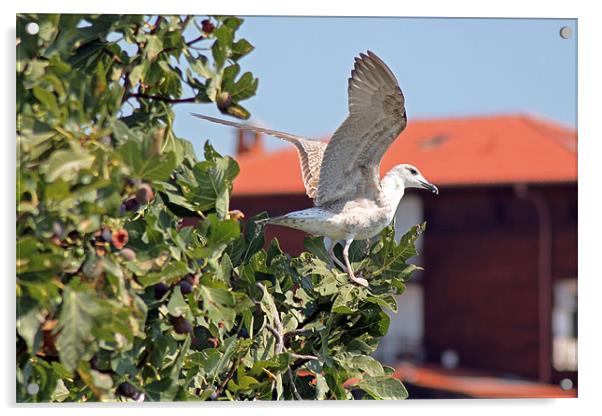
column 303, row 356
column 295, row 392
column 161, row 98
column 299, row 363
column 184, row 22
column 280, row 344
column 228, row 378
column 113, row 56
column 156, row 25
column 278, row 330
column 126, row 87
column 301, row 332
column 279, row 339
column 195, row 40
column 166, row 50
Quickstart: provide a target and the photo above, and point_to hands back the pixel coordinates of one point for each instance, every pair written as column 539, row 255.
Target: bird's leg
column 359, row 280
column 333, row 257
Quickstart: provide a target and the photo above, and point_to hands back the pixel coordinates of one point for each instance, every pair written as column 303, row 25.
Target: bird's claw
column 359, row 280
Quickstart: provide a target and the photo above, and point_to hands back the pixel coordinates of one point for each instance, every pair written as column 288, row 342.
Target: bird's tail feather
column 269, row 220
column 263, row 221
column 291, row 138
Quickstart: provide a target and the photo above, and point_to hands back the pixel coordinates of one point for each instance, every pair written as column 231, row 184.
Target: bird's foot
column 359, row 280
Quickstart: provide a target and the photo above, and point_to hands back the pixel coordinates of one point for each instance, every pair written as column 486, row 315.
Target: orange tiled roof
column 477, row 384
column 452, row 151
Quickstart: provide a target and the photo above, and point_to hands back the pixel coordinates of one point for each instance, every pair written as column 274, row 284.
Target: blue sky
column 446, row 67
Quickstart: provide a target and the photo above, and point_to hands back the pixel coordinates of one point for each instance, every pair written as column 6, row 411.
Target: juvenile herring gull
column 351, row 201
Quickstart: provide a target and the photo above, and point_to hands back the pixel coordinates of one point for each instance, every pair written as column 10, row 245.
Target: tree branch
column 278, row 331
column 279, row 339
column 195, row 40
column 227, row 378
column 155, row 27
column 161, row 98
column 299, row 363
column 184, row 22
column 300, row 332
column 303, row 357
column 294, row 387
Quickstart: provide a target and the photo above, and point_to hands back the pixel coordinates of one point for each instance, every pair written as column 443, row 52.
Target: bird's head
column 412, row 178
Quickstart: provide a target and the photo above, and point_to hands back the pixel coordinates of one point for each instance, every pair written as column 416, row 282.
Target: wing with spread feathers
column 310, row 151
column 351, row 162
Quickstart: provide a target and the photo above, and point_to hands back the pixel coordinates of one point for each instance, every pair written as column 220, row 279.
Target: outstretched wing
column 310, row 151
column 351, row 162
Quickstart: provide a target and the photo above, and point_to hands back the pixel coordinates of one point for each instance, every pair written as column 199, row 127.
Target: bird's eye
column 413, row 171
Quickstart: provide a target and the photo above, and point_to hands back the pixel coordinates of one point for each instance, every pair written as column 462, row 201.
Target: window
column 564, row 325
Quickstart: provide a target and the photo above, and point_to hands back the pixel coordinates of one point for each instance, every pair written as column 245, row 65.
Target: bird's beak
column 430, row 187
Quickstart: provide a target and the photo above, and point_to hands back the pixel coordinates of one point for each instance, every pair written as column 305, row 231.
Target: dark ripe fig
column 195, row 342
column 185, row 287
column 223, row 101
column 131, row 204
column 74, row 236
column 139, row 396
column 193, row 279
column 49, row 344
column 214, row 341
column 243, row 333
column 120, row 238
column 207, row 26
column 181, row 325
column 144, row 194
column 160, row 290
column 200, row 339
column 127, row 254
column 94, row 362
column 127, row 390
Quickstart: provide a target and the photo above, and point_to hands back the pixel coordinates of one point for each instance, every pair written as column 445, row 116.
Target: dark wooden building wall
column 291, row 241
column 480, row 284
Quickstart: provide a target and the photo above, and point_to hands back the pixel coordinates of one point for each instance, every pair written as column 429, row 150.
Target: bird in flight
column 342, row 176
